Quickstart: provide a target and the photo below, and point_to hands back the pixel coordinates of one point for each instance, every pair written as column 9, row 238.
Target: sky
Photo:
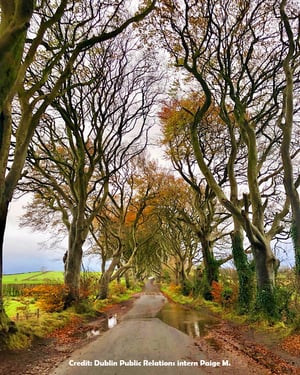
column 28, row 251
column 23, row 248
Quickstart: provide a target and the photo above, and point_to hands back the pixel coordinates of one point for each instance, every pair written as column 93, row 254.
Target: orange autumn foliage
column 50, row 298
column 216, row 291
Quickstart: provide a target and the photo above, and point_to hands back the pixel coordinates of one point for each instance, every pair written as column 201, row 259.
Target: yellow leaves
column 177, row 115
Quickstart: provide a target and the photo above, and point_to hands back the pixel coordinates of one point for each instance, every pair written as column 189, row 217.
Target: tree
column 240, row 72
column 291, row 69
column 178, row 238
column 176, row 118
column 105, row 107
column 16, row 16
column 15, row 21
column 121, row 231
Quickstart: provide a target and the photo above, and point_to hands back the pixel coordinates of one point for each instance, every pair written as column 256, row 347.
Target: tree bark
column 106, row 278
column 104, row 286
column 77, row 236
column 295, row 231
column 244, row 271
column 263, row 255
column 287, row 129
column 15, row 17
column 6, row 325
column 3, row 218
column 211, row 268
column 127, row 279
column 266, row 267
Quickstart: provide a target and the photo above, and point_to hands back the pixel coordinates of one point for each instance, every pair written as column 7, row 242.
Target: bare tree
column 104, row 108
column 90, row 24
column 234, row 55
column 122, row 226
column 176, row 118
column 288, row 122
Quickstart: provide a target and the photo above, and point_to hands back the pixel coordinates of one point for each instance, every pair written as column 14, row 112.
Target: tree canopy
column 87, row 87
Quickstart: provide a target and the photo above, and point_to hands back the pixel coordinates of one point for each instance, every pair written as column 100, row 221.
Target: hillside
column 39, row 277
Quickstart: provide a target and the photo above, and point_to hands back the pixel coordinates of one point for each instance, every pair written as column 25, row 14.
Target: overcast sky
column 27, row 251
column 23, row 249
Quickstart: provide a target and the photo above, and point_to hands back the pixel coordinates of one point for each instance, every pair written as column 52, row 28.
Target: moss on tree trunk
column 266, row 267
column 295, row 234
column 244, row 271
column 211, row 270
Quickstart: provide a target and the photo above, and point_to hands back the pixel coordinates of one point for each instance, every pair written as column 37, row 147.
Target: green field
column 40, row 277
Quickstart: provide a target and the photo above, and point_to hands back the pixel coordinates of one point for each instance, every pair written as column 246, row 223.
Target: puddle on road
column 108, row 324
column 112, row 321
column 193, row 323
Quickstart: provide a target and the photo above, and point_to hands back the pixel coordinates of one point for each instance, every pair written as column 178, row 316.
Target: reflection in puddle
column 112, row 321
column 193, row 323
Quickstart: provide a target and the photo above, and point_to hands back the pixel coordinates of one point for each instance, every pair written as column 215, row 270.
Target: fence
column 24, row 314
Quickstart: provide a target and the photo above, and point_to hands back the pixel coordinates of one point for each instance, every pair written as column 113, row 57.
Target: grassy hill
column 40, row 277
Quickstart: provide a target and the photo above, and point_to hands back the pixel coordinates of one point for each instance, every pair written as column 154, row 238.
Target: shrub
column 283, row 298
column 216, row 292
column 50, row 298
column 174, row 288
column 224, row 295
column 227, row 296
column 187, row 288
column 166, row 276
column 117, row 289
column 84, row 307
column 88, row 285
column 17, row 341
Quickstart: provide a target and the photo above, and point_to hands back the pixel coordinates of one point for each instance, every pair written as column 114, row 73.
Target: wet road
column 139, row 344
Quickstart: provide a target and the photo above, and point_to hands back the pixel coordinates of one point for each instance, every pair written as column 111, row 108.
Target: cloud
column 23, row 252
column 23, row 249
column 27, row 251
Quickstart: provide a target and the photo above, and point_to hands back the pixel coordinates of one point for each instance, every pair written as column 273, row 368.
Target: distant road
column 140, row 344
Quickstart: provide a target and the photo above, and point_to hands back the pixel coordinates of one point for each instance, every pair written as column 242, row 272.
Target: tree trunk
column 104, row 286
column 266, row 267
column 287, row 129
column 127, row 279
column 3, row 217
column 77, row 236
column 244, row 271
column 211, row 268
column 295, row 232
column 6, row 325
column 106, row 278
column 181, row 272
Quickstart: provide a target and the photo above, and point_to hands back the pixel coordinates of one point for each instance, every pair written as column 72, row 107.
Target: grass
column 12, row 304
column 174, row 293
column 118, row 293
column 27, row 330
column 34, row 277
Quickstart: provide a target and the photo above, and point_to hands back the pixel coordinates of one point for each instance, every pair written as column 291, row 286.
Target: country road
column 142, row 344
column 139, row 344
